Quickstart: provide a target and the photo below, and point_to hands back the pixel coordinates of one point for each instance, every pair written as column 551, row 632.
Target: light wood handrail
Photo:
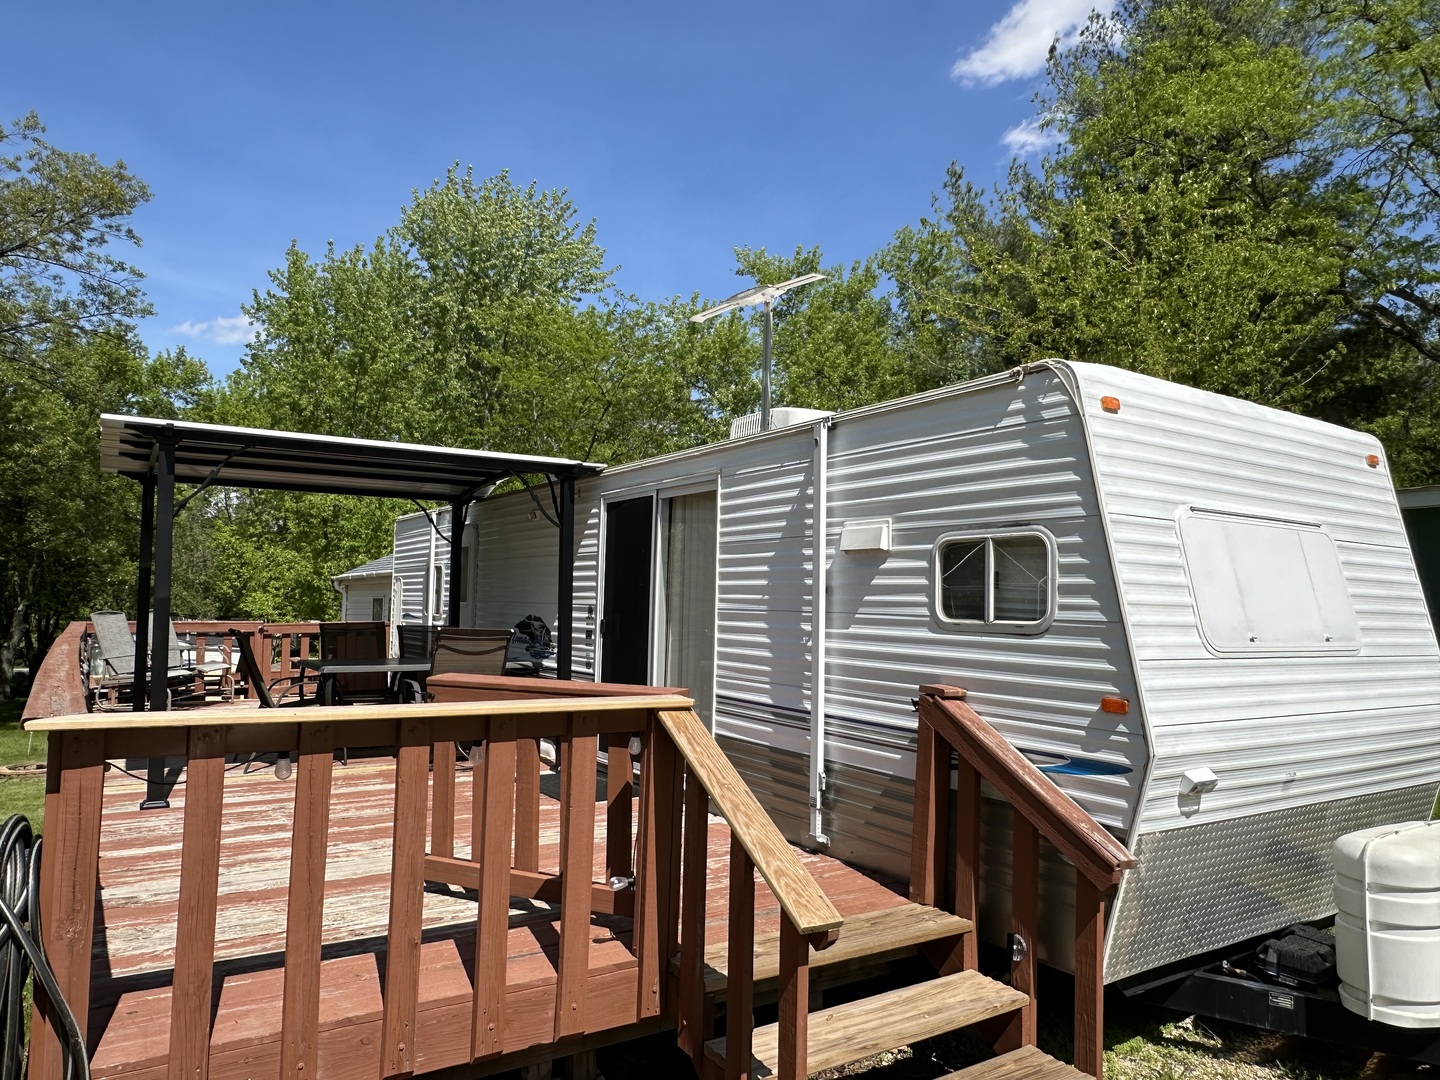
column 1073, row 832
column 802, row 900
column 341, row 714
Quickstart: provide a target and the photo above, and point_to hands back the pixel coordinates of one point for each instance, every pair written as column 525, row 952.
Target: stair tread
column 860, row 1029
column 879, row 935
column 1027, row 1063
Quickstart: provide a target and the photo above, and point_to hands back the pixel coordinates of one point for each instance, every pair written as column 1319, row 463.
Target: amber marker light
column 1110, row 404
column 1373, row 460
column 1117, row 705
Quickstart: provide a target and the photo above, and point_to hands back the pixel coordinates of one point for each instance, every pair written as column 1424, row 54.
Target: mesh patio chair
column 470, row 650
column 112, row 671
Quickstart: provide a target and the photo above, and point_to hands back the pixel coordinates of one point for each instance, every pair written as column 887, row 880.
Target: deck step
column 873, row 937
column 860, row 1029
column 1027, row 1063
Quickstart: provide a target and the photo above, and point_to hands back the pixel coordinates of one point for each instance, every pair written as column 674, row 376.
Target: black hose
column 21, row 952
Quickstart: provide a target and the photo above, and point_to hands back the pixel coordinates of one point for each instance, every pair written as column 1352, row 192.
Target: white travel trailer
column 1199, row 615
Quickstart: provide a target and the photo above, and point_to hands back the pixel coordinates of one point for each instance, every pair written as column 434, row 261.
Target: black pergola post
column 567, row 576
column 457, row 542
column 155, row 790
column 142, row 592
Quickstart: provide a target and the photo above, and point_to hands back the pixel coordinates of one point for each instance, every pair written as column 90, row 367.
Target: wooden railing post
column 407, row 895
column 794, row 1001
column 932, row 816
column 577, row 861
column 1090, row 904
column 968, row 822
column 305, row 904
column 190, row 998
column 1024, row 931
column 491, row 848
column 74, row 780
column 740, row 965
column 691, row 1028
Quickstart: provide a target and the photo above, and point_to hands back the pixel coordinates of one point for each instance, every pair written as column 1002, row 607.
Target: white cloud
column 1027, row 138
column 223, row 330
column 1017, row 45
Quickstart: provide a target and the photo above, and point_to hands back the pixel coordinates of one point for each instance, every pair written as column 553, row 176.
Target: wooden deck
column 136, row 918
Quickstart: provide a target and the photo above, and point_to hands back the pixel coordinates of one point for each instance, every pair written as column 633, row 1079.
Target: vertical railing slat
column 1024, row 929
column 191, row 993
column 619, row 820
column 740, row 966
column 1090, row 904
column 442, row 801
column 968, row 821
column 647, row 933
column 492, row 850
column 74, row 787
column 407, row 895
column 527, row 804
column 794, row 1001
column 305, row 903
column 691, row 1030
column 577, row 863
column 668, row 800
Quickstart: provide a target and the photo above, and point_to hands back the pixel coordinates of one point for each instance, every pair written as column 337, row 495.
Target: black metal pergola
column 158, row 454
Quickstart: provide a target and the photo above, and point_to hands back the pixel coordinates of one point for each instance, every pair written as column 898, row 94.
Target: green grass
column 18, row 747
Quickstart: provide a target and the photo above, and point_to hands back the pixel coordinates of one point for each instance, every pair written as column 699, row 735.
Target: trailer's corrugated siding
column 1279, row 731
column 412, row 559
column 764, row 577
column 515, row 567
column 1002, row 456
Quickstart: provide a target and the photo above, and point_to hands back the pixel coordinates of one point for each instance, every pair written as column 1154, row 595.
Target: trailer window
column 1266, row 586
column 1005, row 580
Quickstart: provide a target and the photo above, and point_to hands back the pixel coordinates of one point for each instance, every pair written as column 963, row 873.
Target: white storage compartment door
column 1269, row 587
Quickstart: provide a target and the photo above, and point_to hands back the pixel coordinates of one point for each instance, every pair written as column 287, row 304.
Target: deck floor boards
column 134, row 944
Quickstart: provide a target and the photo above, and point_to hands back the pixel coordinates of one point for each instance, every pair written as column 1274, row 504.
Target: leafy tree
column 1380, row 63
column 1272, row 245
column 60, row 212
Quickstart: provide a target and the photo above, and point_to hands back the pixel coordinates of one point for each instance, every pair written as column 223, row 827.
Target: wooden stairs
column 862, row 1028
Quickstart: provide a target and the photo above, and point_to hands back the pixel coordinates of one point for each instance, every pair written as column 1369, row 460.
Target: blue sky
column 683, row 131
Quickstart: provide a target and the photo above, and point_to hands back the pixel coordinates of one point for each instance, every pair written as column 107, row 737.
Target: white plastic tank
column 1387, row 932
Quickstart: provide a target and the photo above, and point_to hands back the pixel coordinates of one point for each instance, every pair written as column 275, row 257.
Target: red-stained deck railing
column 681, row 772
column 949, row 729
column 59, row 686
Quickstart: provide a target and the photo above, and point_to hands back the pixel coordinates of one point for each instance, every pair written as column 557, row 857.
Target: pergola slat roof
column 158, row 454
column 297, row 461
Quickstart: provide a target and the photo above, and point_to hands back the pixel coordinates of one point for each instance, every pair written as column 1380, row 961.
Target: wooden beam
column 194, row 974
column 527, row 804
column 931, row 818
column 74, row 788
column 690, row 1027
column 1090, row 905
column 493, row 846
column 577, row 855
column 442, row 800
column 305, row 904
column 407, row 895
column 1025, row 932
column 794, row 1002
column 530, row 884
column 968, row 823
column 620, row 816
column 740, row 996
